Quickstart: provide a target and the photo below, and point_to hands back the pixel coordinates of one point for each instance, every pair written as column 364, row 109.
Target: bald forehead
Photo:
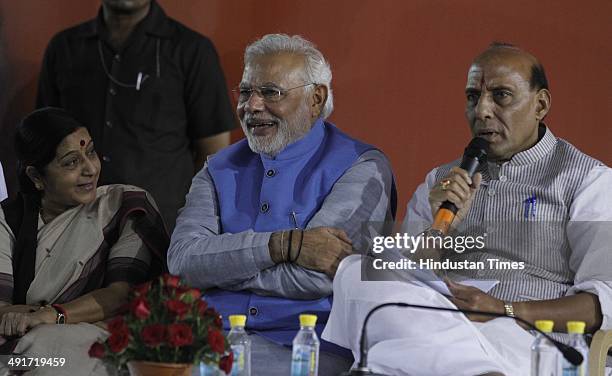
column 513, row 59
column 501, row 68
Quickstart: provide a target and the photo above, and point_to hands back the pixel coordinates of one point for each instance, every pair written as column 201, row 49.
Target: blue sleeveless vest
column 271, row 194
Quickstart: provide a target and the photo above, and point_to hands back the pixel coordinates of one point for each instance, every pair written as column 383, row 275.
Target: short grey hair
column 317, row 69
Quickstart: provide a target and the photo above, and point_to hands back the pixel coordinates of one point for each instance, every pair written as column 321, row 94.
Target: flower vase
column 144, row 368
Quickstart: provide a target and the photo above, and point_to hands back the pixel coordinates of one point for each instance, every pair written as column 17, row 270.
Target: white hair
column 317, row 69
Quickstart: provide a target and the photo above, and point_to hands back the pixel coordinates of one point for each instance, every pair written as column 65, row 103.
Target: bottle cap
column 308, row 320
column 576, row 327
column 237, row 320
column 545, row 325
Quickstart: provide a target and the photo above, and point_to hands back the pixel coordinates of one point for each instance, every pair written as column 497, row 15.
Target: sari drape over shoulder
column 120, row 236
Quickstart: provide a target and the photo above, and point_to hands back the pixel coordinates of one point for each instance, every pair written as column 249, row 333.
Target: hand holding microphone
column 457, row 188
column 453, row 195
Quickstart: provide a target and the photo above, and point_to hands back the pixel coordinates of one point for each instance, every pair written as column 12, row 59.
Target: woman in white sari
column 69, row 250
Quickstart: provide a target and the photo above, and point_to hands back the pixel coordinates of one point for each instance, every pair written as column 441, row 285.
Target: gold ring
column 444, row 184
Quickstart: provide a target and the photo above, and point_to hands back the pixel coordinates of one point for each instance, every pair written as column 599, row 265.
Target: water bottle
column 305, row 357
column 576, row 331
column 241, row 346
column 544, row 355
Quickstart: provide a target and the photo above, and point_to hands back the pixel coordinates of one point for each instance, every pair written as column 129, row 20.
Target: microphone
column 474, row 154
column 571, row 354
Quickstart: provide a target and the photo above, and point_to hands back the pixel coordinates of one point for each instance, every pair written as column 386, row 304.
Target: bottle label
column 572, row 370
column 238, row 365
column 304, row 361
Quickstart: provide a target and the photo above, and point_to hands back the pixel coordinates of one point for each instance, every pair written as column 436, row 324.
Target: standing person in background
column 151, row 92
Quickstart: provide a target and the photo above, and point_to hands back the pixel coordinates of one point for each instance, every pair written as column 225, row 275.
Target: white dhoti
column 409, row 341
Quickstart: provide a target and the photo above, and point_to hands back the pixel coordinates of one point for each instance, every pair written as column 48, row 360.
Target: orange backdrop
column 399, row 65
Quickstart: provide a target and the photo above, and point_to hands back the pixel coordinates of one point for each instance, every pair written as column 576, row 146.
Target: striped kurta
column 517, row 229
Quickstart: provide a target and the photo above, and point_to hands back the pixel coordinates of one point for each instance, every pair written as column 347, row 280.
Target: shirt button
column 270, row 173
column 112, row 91
column 491, row 192
column 117, row 57
column 106, row 158
column 264, row 207
column 503, row 178
column 253, row 311
column 109, row 123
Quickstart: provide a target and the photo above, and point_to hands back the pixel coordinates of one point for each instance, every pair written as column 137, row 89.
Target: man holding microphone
column 538, row 201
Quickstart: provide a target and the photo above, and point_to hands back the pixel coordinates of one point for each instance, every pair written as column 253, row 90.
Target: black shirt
column 142, row 134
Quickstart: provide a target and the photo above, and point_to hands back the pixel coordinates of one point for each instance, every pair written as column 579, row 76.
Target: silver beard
column 288, row 131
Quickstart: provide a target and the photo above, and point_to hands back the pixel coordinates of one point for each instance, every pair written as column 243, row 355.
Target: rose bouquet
column 166, row 322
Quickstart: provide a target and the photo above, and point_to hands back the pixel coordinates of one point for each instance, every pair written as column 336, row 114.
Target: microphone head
column 475, row 154
column 477, row 148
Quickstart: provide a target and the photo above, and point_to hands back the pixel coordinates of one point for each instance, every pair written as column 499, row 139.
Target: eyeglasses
column 269, row 94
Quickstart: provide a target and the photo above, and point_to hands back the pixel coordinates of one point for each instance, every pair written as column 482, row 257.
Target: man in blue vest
column 268, row 219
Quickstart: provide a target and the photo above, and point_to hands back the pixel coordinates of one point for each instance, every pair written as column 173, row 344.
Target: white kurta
column 406, row 341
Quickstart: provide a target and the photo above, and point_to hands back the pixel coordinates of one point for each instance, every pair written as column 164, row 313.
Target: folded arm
column 208, row 258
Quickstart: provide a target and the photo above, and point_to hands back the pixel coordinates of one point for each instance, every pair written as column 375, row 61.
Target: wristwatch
column 61, row 314
column 509, row 309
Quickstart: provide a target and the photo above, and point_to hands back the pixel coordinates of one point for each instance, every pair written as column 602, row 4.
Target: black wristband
column 289, row 247
column 300, row 247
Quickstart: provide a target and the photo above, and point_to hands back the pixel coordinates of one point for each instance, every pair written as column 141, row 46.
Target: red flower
column 153, row 335
column 179, row 335
column 177, row 308
column 140, row 308
column 211, row 312
column 117, row 324
column 142, row 289
column 225, row 364
column 97, row 350
column 195, row 294
column 171, row 280
column 216, row 341
column 201, row 304
column 215, row 315
column 180, row 291
column 118, row 341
